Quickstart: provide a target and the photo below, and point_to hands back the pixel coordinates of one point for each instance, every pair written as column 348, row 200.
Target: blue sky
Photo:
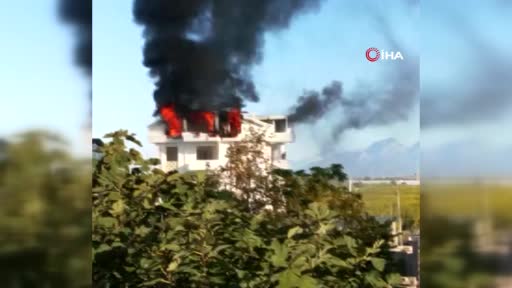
column 448, row 59
column 318, row 47
column 40, row 87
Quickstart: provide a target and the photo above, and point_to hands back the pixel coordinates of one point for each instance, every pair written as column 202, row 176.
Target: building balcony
column 275, row 129
column 281, row 164
column 281, row 137
column 201, row 137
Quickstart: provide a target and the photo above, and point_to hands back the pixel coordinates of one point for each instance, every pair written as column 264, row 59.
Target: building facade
column 196, row 150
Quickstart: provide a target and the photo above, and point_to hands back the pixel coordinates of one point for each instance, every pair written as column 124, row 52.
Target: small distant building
column 201, row 141
column 357, row 182
column 405, row 248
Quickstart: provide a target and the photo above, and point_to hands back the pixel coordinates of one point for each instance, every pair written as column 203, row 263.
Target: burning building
column 200, row 54
column 198, row 140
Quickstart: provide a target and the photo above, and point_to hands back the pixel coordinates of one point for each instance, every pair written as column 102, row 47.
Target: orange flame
column 205, row 119
column 172, row 119
column 235, row 121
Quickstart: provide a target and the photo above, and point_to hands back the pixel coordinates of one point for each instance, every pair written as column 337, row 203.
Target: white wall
column 398, row 181
column 278, row 162
column 187, row 158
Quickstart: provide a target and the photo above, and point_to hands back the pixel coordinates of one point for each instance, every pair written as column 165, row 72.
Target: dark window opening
column 207, row 153
column 280, row 125
column 172, row 154
column 197, row 127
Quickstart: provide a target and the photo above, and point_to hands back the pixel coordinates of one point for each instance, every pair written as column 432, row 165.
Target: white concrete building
column 195, row 151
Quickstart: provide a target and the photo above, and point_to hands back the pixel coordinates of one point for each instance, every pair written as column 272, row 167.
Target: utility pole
column 399, row 216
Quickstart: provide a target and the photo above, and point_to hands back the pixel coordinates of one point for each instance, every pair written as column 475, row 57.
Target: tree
column 45, row 213
column 248, row 173
column 158, row 229
column 450, row 259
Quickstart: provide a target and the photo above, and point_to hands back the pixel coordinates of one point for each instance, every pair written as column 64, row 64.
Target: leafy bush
column 450, row 259
column 158, row 229
column 45, row 223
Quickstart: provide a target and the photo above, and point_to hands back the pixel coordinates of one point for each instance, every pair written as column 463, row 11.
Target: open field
column 469, row 200
column 381, row 200
column 461, row 200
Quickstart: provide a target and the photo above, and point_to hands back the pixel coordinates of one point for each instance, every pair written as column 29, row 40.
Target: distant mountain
column 384, row 158
column 389, row 158
column 466, row 158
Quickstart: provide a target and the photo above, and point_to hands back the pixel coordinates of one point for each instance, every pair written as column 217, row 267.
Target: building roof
column 251, row 118
column 271, row 117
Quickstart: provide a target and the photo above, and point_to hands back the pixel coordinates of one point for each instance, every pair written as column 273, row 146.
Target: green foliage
column 45, row 223
column 456, row 251
column 449, row 259
column 156, row 229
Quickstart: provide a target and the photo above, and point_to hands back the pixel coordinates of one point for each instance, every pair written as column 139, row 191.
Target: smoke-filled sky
column 201, row 52
column 465, row 72
column 320, row 46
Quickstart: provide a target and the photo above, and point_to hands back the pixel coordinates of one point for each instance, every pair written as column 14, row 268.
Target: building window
column 196, row 126
column 207, row 153
column 172, row 154
column 276, row 152
column 280, row 125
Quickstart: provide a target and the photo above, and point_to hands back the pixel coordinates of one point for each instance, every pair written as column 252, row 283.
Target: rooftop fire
column 224, row 123
column 199, row 140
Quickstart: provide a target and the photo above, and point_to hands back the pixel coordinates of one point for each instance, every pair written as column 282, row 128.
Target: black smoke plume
column 367, row 106
column 201, row 51
column 393, row 103
column 313, row 105
column 78, row 13
column 377, row 107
